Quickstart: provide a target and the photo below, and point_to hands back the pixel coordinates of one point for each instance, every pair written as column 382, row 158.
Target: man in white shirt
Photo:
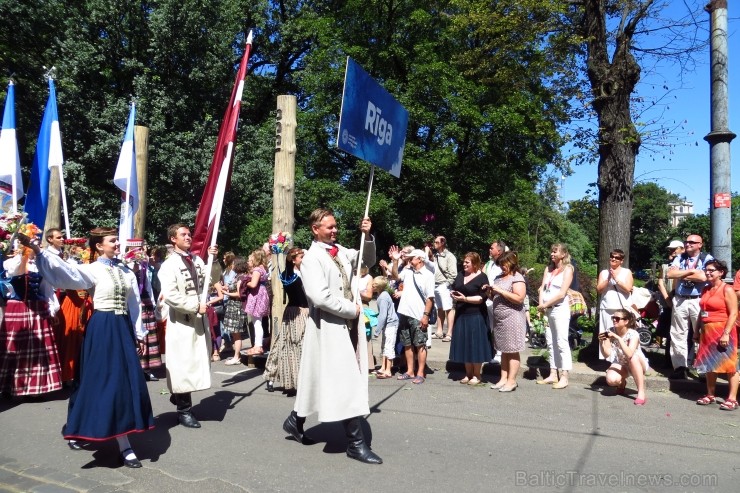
column 55, row 241
column 493, row 271
column 414, row 309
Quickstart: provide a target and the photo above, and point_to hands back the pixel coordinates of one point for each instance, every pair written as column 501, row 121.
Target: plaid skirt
column 285, row 351
column 151, row 357
column 29, row 361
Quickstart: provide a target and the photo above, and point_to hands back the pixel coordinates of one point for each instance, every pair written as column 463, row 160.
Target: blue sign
column 372, row 124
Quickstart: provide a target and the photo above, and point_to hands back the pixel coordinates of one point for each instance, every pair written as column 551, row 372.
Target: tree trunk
column 616, row 176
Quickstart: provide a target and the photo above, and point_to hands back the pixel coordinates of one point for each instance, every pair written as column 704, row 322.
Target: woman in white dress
column 614, row 286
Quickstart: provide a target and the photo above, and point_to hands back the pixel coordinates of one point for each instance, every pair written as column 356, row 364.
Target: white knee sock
column 124, row 445
column 258, row 333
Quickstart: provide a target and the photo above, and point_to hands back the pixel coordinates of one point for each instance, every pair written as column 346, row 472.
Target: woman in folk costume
column 111, row 399
column 137, row 260
column 285, row 351
column 29, row 360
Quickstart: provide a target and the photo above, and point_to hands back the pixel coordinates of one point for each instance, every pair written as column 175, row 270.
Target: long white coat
column 332, row 380
column 187, row 338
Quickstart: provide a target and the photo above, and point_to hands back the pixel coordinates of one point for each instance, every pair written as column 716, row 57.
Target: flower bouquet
column 280, row 242
column 10, row 225
column 136, row 255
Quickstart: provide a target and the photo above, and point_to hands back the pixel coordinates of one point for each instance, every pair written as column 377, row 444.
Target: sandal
column 474, row 381
column 464, row 380
column 728, row 405
column 706, row 400
column 446, row 339
column 216, row 357
column 404, row 376
column 233, row 361
column 418, row 380
column 255, row 351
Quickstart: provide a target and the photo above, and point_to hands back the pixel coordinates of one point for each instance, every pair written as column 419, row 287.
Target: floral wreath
column 75, row 241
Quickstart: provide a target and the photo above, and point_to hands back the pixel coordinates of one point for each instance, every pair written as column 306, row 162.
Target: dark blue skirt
column 471, row 341
column 111, row 398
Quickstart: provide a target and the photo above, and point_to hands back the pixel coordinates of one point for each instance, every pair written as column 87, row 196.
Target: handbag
column 433, row 316
column 577, row 302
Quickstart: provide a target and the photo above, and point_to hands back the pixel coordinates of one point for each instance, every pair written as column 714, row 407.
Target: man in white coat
column 188, row 338
column 333, row 373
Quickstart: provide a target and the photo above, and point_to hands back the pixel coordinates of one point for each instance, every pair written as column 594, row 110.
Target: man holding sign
column 333, row 373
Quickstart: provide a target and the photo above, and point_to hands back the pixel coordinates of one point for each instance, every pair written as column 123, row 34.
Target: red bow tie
column 333, row 251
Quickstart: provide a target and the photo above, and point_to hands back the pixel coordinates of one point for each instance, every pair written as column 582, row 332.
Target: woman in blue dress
column 110, row 399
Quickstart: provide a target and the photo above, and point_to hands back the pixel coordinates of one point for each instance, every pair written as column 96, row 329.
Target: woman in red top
column 716, row 334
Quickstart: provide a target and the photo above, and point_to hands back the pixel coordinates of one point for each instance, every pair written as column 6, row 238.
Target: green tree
column 585, row 213
column 651, row 224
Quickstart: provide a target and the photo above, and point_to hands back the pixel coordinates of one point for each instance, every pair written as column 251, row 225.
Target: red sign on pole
column 722, row 200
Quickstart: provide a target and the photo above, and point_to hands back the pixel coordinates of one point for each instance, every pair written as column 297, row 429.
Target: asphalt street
column 439, row 436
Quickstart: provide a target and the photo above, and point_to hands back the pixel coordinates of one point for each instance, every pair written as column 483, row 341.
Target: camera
column 688, row 284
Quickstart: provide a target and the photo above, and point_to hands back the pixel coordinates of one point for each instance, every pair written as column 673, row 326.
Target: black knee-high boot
column 357, row 448
column 293, row 426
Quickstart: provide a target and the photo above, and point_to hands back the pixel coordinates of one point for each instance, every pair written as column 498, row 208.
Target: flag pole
column 13, row 184
column 129, row 205
column 224, row 174
column 217, row 219
column 50, row 76
column 362, row 238
column 64, row 204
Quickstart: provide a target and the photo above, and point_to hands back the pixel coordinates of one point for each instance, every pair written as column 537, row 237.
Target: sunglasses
column 692, row 242
column 616, row 257
column 709, row 271
column 617, row 319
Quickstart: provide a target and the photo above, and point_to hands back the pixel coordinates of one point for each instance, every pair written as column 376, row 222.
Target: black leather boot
column 357, row 448
column 293, row 426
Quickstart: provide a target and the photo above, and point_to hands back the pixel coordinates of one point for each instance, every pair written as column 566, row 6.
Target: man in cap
column 414, row 310
column 665, row 289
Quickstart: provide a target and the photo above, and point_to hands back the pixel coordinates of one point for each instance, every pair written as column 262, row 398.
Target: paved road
column 439, row 436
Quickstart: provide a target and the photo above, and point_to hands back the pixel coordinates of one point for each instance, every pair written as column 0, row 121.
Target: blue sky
column 683, row 166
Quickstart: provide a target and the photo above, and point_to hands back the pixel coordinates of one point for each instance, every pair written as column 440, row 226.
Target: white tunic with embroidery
column 187, row 337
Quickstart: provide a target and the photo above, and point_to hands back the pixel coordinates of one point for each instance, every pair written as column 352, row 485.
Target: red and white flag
column 209, row 211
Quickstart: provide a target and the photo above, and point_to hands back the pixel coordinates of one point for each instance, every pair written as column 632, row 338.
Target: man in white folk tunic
column 333, row 373
column 188, row 338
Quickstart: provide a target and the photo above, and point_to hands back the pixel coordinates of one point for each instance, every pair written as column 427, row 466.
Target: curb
column 592, row 377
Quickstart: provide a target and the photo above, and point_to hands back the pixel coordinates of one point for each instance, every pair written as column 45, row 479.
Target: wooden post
column 141, row 138
column 283, row 193
column 54, row 206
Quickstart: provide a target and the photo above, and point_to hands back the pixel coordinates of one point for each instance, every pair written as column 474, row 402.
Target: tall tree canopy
column 486, row 94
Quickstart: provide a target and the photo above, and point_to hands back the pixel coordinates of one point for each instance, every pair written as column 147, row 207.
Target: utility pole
column 719, row 137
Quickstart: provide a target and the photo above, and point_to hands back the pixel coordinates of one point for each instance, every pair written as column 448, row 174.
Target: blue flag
column 372, row 124
column 48, row 154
